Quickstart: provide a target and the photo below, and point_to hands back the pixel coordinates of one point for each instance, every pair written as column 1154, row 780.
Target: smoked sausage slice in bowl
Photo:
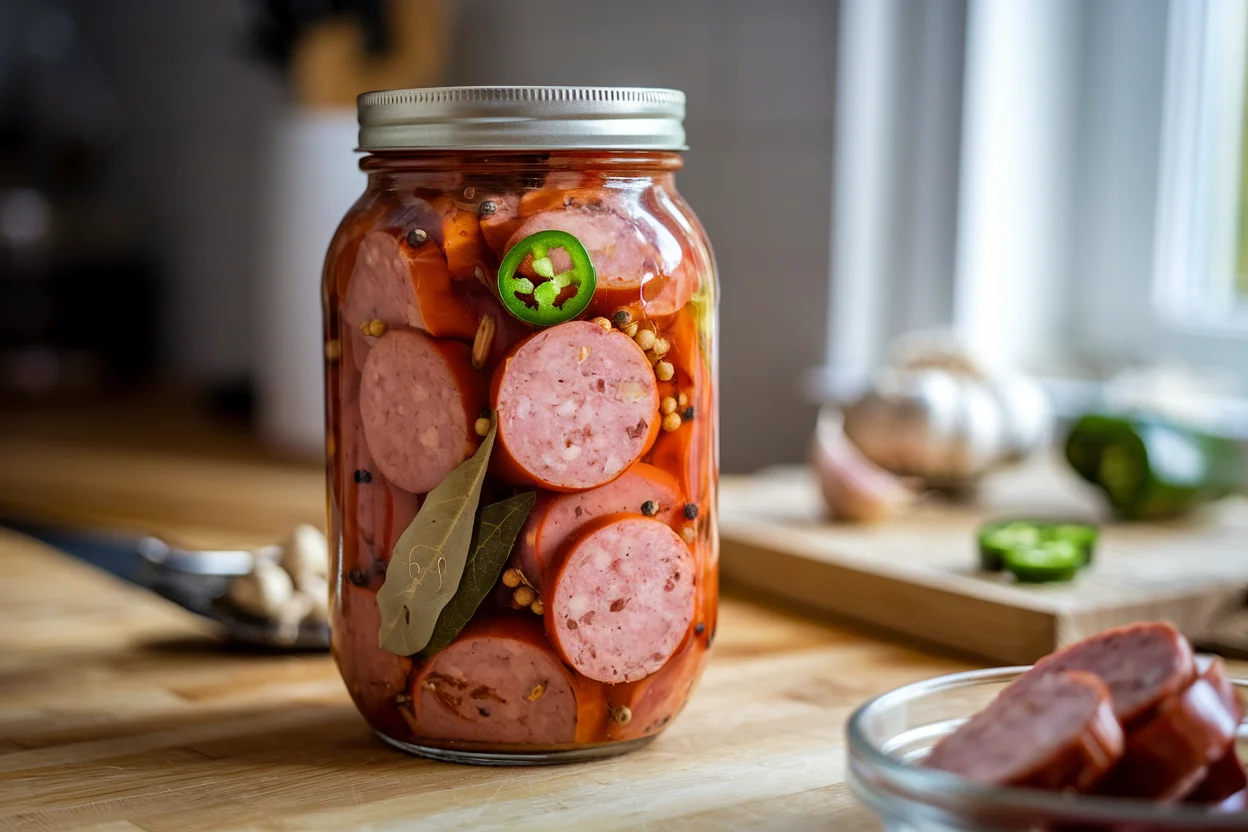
column 919, row 755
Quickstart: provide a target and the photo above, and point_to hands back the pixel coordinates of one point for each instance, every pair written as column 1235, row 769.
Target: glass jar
column 522, row 476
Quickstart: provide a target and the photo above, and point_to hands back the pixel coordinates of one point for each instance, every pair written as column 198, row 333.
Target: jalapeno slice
column 1045, row 562
column 546, row 302
column 997, row 539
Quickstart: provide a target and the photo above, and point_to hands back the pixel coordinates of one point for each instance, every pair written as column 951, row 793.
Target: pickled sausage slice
column 566, row 514
column 499, row 682
column 402, row 286
column 1059, row 733
column 419, row 398
column 1141, row 664
column 655, row 701
column 576, row 406
column 374, row 677
column 1167, row 756
column 634, row 255
column 1225, row 781
column 623, row 598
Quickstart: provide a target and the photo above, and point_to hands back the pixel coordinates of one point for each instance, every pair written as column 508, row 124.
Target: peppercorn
column 661, row 346
column 524, row 595
column 486, row 208
column 538, row 607
column 699, row 629
column 682, row 401
column 511, row 578
column 687, row 533
column 688, row 414
column 631, row 330
column 622, row 318
column 417, row 237
column 649, row 508
column 622, row 715
column 664, row 371
column 668, row 405
column 644, row 339
column 357, row 577
column 481, row 426
column 671, row 422
column 691, row 511
column 602, row 322
column 333, row 350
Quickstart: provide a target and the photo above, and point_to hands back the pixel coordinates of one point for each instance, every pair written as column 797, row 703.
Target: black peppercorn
column 699, row 629
column 483, row 710
column 622, row 318
column 357, row 577
column 417, row 236
column 649, row 508
column 687, row 415
column 486, row 208
column 363, row 477
column 691, row 511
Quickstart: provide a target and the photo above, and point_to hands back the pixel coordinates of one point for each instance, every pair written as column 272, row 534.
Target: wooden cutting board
column 918, row 575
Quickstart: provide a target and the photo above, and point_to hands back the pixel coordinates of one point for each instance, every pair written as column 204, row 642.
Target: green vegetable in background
column 1150, row 468
column 997, row 539
column 495, row 534
column 429, row 558
column 1045, row 562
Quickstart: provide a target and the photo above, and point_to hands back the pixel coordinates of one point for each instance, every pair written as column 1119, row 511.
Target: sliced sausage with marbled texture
column 419, row 400
column 576, row 406
column 1059, row 733
column 499, row 682
column 622, row 599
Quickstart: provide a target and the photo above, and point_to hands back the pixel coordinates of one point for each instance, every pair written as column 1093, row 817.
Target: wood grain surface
column 919, row 574
column 121, row 712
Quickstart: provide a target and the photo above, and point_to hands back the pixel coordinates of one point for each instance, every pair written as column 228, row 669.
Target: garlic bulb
column 941, row 418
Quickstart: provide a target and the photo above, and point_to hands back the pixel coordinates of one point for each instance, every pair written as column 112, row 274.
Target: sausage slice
column 419, row 398
column 1059, row 733
column 402, row 286
column 1224, row 781
column 562, row 517
column 576, row 406
column 1141, row 664
column 1170, row 754
column 622, row 599
column 374, row 677
column 655, row 701
column 500, row 683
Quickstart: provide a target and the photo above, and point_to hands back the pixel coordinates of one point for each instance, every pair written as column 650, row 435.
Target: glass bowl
column 890, row 734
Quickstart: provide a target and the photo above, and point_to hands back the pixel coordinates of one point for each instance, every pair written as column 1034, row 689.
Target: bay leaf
column 498, row 526
column 429, row 557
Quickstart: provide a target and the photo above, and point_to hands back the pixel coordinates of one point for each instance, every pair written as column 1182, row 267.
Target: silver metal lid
column 522, row 118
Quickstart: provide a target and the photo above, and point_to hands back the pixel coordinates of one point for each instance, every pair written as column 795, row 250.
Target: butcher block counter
column 120, row 711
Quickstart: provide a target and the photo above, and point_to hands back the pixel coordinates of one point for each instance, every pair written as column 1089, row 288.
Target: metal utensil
column 197, row 580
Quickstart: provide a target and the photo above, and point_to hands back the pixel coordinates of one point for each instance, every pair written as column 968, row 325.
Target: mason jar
column 520, row 365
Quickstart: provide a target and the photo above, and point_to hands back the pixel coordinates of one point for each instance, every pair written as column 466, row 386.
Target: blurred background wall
column 196, row 110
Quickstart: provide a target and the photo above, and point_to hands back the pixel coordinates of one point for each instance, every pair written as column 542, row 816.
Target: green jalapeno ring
column 998, row 538
column 543, row 311
column 1046, row 562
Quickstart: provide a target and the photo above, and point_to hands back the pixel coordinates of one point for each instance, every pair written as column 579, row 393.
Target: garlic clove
column 305, row 550
column 264, row 592
column 854, row 488
column 316, row 589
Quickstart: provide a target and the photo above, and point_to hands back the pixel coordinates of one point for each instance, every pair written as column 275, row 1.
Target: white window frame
column 1201, row 169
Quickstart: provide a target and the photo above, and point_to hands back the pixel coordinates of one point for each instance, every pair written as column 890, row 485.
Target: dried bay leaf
column 429, row 557
column 495, row 534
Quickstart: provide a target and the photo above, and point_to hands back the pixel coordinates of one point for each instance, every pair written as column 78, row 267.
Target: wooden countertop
column 118, row 711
